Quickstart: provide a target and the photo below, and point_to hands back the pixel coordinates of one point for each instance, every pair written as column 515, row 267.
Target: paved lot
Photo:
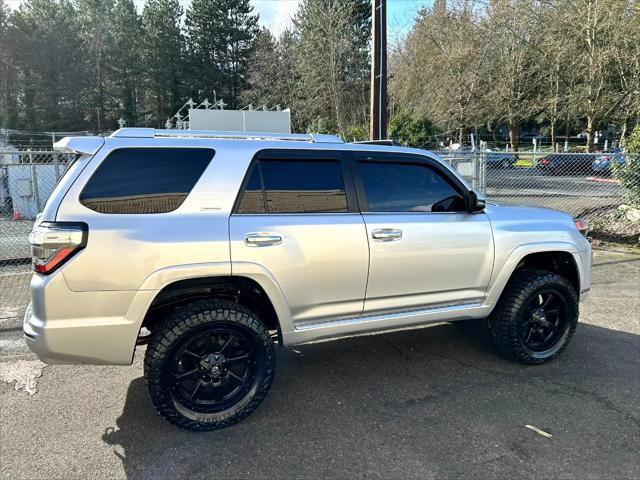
column 427, row 403
column 552, row 184
column 14, row 238
column 573, row 193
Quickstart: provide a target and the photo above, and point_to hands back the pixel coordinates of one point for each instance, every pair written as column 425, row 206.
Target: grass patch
column 526, row 163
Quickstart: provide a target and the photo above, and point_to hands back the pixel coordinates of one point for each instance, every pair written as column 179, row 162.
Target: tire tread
column 178, row 323
column 503, row 321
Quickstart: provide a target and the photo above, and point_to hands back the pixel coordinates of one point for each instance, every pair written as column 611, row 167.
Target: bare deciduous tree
column 438, row 72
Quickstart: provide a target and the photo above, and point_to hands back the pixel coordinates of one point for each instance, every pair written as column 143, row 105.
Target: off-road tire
column 504, row 323
column 185, row 322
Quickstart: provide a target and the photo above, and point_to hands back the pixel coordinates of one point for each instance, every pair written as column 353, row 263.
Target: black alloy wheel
column 536, row 316
column 544, row 321
column 214, row 368
column 209, row 365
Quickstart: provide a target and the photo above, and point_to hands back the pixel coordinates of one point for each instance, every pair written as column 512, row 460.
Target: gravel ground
column 429, row 403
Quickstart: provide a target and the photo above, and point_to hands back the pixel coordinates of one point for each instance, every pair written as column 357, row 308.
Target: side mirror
column 477, row 202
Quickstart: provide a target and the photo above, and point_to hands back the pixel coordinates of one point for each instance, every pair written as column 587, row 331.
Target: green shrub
column 322, row 125
column 632, row 144
column 629, row 173
column 355, row 134
column 411, row 131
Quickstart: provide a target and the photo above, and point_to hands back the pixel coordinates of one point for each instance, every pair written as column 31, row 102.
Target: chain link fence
column 26, row 180
column 581, row 184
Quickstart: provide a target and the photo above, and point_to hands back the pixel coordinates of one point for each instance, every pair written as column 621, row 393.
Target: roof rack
column 133, row 132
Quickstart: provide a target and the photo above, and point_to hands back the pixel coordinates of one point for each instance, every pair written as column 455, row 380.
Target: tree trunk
column 513, row 136
column 335, row 93
column 590, row 133
column 553, row 134
column 625, row 126
column 461, row 136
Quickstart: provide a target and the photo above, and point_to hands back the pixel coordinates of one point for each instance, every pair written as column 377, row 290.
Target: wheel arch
column 560, row 262
column 251, row 286
column 559, row 257
column 241, row 290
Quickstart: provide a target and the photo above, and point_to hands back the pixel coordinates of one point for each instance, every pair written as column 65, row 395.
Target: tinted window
column 252, row 200
column 314, row 186
column 401, row 187
column 144, row 180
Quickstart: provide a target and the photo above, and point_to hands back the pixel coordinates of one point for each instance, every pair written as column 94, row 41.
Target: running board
column 309, row 332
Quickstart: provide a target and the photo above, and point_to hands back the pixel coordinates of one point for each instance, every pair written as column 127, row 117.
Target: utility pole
column 378, row 123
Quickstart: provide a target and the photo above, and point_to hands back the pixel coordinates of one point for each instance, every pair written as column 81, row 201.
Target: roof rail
column 157, row 133
column 385, row 141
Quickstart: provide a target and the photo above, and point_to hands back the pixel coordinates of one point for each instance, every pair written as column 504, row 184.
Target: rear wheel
column 209, row 365
column 536, row 316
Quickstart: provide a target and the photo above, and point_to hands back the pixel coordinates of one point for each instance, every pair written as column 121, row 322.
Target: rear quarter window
column 145, row 180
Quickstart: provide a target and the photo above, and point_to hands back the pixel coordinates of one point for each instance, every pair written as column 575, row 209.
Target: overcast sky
column 277, row 14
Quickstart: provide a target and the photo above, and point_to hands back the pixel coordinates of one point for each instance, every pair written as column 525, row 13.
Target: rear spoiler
column 82, row 145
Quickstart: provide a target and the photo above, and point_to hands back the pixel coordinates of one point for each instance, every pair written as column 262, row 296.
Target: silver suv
column 220, row 244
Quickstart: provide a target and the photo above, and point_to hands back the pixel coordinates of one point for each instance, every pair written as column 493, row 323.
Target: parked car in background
column 566, row 164
column 602, row 164
column 499, row 159
column 529, row 136
column 494, row 158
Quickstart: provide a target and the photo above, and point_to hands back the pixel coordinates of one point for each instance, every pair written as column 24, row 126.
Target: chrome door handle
column 387, row 234
column 262, row 239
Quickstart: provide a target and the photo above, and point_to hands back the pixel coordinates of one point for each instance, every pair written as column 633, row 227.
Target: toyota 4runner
column 211, row 246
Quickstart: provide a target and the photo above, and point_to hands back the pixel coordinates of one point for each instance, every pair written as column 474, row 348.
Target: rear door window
column 252, row 200
column 295, row 186
column 145, row 180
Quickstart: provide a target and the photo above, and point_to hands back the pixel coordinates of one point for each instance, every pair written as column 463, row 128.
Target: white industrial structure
column 213, row 116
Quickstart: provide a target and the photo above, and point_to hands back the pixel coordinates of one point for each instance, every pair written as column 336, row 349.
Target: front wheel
column 209, row 365
column 536, row 316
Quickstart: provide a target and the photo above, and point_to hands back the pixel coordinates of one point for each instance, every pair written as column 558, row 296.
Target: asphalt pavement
column 428, row 403
column 576, row 194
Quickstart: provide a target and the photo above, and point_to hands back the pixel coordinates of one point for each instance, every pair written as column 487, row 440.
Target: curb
column 603, row 180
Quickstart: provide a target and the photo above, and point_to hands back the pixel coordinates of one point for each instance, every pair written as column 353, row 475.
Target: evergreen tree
column 264, row 73
column 124, row 58
column 49, row 57
column 412, row 131
column 94, row 22
column 220, row 35
column 162, row 55
column 8, row 72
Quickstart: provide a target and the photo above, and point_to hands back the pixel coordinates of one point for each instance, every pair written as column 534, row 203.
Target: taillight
column 582, row 227
column 53, row 243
